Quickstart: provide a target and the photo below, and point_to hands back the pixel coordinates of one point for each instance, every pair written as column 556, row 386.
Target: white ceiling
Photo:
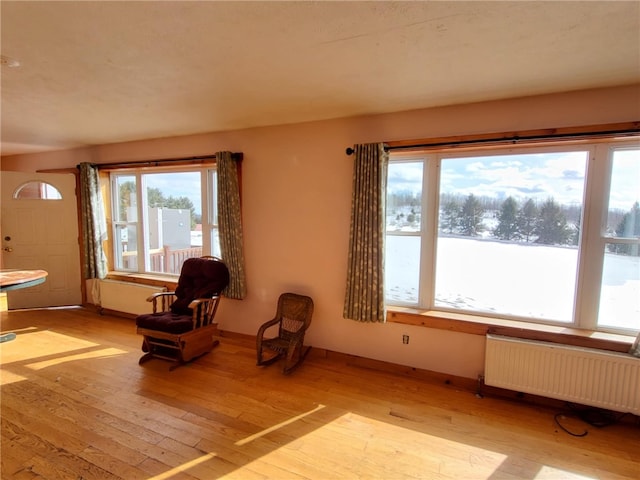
column 103, row 72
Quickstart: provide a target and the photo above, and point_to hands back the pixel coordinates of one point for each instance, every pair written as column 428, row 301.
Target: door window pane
column 37, row 190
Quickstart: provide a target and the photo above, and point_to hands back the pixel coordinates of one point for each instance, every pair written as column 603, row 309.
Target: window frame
column 592, row 244
column 208, row 208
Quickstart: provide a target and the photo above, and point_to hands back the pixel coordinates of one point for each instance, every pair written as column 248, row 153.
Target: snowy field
column 515, row 279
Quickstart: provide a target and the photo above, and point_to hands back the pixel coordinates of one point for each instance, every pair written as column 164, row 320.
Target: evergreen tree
column 471, row 216
column 551, row 226
column 450, row 216
column 526, row 220
column 629, row 227
column 507, row 228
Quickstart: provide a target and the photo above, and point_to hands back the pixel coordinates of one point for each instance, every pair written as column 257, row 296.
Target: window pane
column 623, row 219
column 404, row 199
column 213, row 214
column 215, row 243
column 402, row 269
column 126, row 209
column 125, row 212
column 174, row 211
column 172, row 228
column 486, row 276
column 620, row 291
column 126, row 248
column 508, row 234
column 620, row 294
column 403, row 225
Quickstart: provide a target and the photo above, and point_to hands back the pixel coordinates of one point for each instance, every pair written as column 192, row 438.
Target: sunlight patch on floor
column 183, row 468
column 351, row 441
column 9, row 377
column 60, row 348
column 280, row 425
column 95, row 354
column 550, row 473
column 28, row 346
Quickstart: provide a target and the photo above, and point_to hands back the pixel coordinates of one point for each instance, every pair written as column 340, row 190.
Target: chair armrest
column 266, row 325
column 204, row 310
column 198, row 301
column 166, row 300
column 153, row 296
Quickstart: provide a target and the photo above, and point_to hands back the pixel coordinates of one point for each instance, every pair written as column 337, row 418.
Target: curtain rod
column 513, row 139
column 238, row 156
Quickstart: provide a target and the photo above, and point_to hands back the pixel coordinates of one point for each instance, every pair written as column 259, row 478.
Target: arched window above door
column 37, row 190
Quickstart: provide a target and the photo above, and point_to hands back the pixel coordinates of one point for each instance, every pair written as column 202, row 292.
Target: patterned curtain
column 364, row 299
column 94, row 223
column 230, row 224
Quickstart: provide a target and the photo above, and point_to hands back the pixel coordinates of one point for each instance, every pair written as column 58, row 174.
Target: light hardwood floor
column 76, row 405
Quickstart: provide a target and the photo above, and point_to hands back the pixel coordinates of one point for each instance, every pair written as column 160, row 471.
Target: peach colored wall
column 296, row 207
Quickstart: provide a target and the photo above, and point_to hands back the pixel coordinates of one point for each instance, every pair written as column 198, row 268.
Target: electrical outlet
column 405, row 339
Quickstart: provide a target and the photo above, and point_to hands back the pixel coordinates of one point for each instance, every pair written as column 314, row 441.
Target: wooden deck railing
column 163, row 260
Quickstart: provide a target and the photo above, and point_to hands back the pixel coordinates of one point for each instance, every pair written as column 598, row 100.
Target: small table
column 14, row 279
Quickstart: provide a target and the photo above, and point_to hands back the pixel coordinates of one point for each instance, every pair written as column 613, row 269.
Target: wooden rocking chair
column 292, row 319
column 182, row 325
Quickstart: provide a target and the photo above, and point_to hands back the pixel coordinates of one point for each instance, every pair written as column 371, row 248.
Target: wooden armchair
column 292, row 320
column 182, row 325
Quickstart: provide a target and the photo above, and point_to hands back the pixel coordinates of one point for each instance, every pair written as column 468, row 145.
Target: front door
column 39, row 230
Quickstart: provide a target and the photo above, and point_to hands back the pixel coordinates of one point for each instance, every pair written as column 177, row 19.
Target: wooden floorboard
column 75, row 404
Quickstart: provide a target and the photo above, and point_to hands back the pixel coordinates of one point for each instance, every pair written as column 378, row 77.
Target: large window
column 545, row 234
column 162, row 217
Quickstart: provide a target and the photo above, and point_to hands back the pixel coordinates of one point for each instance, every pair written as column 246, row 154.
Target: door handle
column 8, row 249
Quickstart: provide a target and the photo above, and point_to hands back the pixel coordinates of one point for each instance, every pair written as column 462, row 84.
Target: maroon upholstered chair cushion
column 165, row 322
column 199, row 278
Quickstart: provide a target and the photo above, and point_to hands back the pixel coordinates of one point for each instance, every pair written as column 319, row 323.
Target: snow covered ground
column 517, row 279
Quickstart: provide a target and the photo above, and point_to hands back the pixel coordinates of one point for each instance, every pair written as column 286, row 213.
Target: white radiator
column 126, row 297
column 587, row 376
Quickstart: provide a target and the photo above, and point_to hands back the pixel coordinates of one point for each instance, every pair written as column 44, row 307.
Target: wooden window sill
column 169, row 282
column 479, row 325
